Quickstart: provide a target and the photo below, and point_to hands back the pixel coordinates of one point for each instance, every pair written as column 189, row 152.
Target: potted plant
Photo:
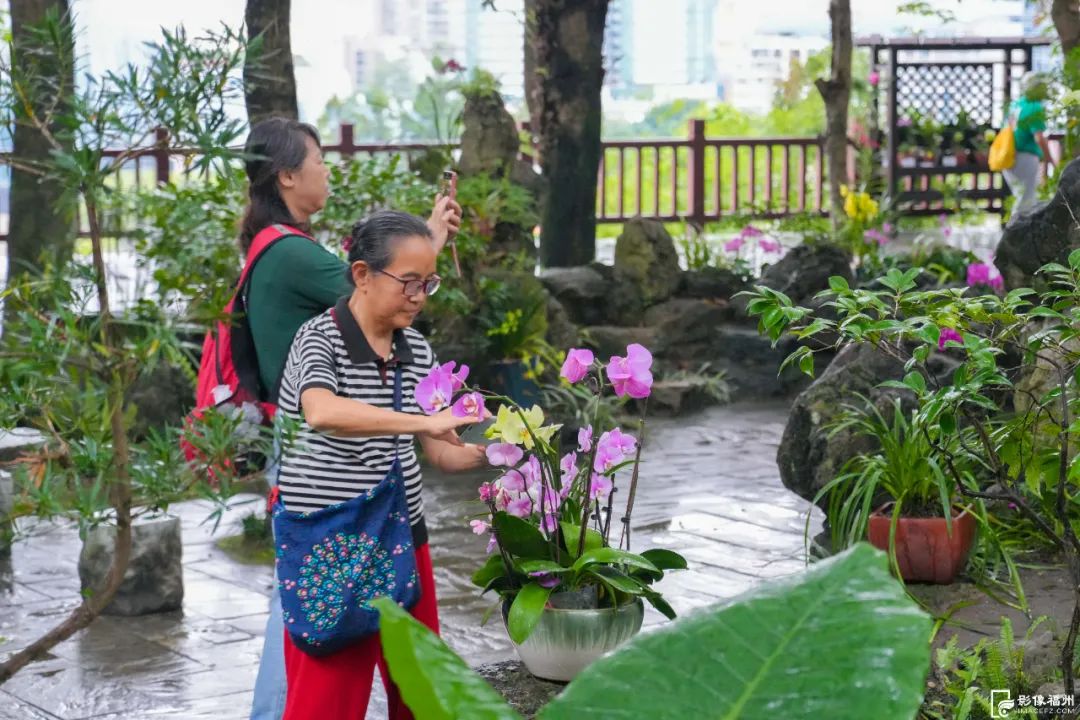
column 569, row 592
column 900, row 497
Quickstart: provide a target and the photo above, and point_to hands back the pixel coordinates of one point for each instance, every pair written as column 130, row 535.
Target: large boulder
column 609, row 340
column 1046, row 233
column 154, row 581
column 645, row 257
column 489, row 136
column 810, row 454
column 583, row 292
column 806, row 270
column 712, row 283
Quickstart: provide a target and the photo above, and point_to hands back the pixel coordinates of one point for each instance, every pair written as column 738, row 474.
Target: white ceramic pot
column 566, row 641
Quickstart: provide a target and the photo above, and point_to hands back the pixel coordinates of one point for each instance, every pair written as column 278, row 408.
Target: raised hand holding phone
column 448, row 188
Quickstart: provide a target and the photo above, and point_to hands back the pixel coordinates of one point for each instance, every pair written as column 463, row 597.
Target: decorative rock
column 561, row 332
column 809, row 456
column 489, row 138
column 682, row 322
column 608, row 340
column 525, row 693
column 711, row 282
column 162, row 397
column 154, row 581
column 645, row 256
column 1047, row 233
column 806, row 270
column 582, row 291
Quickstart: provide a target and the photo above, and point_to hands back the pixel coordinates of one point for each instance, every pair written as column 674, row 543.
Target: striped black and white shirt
column 331, row 352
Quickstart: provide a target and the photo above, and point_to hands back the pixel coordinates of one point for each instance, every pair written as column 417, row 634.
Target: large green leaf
column 572, row 532
column 841, row 641
column 520, row 538
column 612, row 556
column 665, row 559
column 491, row 569
column 435, row 683
column 525, row 611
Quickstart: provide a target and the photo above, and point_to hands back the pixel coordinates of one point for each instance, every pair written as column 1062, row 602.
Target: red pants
column 338, row 686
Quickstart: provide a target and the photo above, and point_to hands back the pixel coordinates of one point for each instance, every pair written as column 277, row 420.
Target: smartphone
column 448, row 184
column 448, row 188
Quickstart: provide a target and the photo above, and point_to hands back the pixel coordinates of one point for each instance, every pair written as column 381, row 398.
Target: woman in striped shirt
column 338, row 385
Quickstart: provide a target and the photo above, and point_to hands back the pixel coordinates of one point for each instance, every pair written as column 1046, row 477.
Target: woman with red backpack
column 291, row 281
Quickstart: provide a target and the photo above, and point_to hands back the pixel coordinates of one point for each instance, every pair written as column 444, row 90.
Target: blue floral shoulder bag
column 331, row 563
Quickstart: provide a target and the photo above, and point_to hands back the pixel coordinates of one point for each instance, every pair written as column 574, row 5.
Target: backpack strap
column 262, row 242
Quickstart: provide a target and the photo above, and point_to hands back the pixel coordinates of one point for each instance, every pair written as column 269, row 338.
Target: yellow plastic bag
column 1003, row 150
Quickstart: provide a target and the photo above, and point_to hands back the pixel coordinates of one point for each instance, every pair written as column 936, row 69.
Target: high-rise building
column 754, row 65
column 618, row 50
column 494, row 41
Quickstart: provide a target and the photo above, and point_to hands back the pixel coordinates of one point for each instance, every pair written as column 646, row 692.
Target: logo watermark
column 1003, row 705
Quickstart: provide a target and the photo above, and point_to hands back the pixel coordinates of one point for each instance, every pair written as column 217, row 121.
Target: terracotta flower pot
column 925, row 551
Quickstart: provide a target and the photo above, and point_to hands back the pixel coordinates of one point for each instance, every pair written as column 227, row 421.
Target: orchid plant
column 548, row 512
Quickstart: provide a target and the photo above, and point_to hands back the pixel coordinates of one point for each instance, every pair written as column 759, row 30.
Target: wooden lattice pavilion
column 964, row 87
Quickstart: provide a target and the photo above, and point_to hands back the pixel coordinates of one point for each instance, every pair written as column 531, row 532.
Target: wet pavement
column 709, row 488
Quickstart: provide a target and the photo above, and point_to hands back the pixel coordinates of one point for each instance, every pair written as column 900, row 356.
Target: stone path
column 709, row 488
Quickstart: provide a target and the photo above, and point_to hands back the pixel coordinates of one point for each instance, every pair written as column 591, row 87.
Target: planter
column 925, row 551
column 566, row 641
column 508, row 378
column 154, row 581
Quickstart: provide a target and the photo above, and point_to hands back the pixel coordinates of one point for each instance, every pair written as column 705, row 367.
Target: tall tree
column 42, row 225
column 836, row 91
column 269, row 78
column 564, row 73
column 1066, row 17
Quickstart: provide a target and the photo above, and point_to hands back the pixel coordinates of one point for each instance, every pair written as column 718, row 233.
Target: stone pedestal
column 154, row 581
column 525, row 693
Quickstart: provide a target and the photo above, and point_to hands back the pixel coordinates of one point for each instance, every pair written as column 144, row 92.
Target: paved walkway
column 709, row 488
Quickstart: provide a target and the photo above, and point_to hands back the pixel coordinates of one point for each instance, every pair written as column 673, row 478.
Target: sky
column 112, row 31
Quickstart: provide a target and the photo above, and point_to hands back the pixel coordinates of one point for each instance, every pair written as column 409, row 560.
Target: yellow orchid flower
column 511, row 427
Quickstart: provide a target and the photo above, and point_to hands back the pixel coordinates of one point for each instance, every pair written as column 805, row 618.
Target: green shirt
column 295, row 280
column 1030, row 119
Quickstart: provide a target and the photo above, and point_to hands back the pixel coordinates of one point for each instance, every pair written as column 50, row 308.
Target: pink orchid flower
column 479, row 527
column 520, row 507
column 734, row 244
column 469, row 405
column 983, row 274
column 769, row 246
column 949, row 335
column 584, row 439
column 512, row 481
column 545, row 579
column 487, row 492
column 600, row 487
column 433, row 393
column 503, row 454
column 577, row 364
column 631, row 375
column 568, row 463
column 531, row 471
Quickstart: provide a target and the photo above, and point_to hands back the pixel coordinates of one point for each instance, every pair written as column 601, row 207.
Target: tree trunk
column 42, row 225
column 269, row 80
column 836, row 91
column 1066, row 17
column 564, row 73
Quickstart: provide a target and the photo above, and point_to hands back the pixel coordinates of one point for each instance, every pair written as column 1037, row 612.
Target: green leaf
column 616, row 579
column 915, row 381
column 572, row 532
column 519, row 538
column 548, row 566
column 793, row 634
column 490, row 570
column 806, row 364
column 525, row 611
column 435, row 683
column 665, row 559
column 838, row 284
column 612, row 556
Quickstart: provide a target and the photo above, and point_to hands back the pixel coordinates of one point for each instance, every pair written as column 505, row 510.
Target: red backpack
column 229, row 371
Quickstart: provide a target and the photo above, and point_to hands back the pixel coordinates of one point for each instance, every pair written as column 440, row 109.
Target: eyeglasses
column 428, row 285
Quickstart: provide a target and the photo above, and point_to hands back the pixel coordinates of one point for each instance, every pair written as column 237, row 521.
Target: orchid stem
column 634, row 478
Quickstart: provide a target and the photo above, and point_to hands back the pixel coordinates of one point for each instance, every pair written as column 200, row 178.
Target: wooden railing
column 696, row 179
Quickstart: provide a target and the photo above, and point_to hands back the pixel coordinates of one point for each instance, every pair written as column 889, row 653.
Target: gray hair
column 373, row 238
